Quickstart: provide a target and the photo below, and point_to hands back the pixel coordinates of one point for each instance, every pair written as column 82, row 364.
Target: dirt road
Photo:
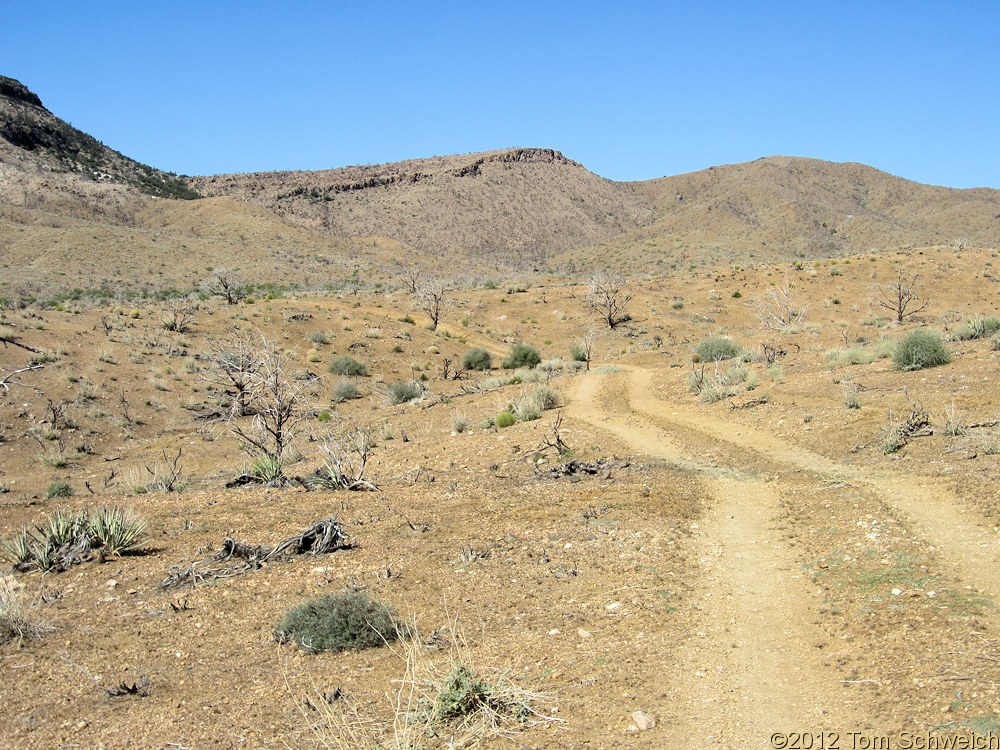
column 753, row 662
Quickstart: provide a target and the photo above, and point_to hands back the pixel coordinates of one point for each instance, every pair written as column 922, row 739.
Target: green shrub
column 59, row 488
column 338, row 622
column 348, row 366
column 546, row 398
column 521, row 355
column 578, row 353
column 319, row 337
column 345, row 390
column 717, row 348
column 403, row 391
column 505, row 419
column 477, row 359
column 919, row 349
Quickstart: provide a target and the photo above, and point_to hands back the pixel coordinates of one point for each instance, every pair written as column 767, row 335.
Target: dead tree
column 228, row 285
column 236, row 363
column 431, row 299
column 609, row 296
column 901, row 296
column 5, row 380
column 276, row 401
column 583, row 348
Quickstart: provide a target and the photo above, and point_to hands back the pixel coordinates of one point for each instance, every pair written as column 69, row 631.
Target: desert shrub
column 319, row 337
column 978, row 328
column 919, row 349
column 521, row 355
column 339, row 622
column 884, row 348
column 527, row 376
column 403, row 391
column 526, row 409
column 348, row 366
column 59, row 488
column 714, row 389
column 736, row 374
column 477, row 359
column 995, row 342
column 716, row 348
column 546, row 398
column 466, row 697
column 459, row 422
column 505, row 419
column 345, row 390
column 852, row 356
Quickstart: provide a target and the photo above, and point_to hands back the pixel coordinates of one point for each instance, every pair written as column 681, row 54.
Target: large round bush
column 919, row 349
column 338, row 622
column 477, row 359
column 522, row 355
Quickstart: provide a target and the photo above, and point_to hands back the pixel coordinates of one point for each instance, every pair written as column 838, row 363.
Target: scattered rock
column 643, row 721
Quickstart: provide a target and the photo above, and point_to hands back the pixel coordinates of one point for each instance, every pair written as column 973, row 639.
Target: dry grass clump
column 17, row 617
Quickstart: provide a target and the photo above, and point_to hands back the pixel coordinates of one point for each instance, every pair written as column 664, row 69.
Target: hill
column 27, row 125
column 509, row 206
column 779, row 208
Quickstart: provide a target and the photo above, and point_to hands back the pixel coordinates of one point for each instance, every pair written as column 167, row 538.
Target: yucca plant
column 116, row 530
column 63, row 528
column 267, row 469
column 18, row 549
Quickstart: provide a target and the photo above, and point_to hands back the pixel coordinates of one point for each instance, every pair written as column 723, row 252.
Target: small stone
column 613, row 606
column 554, row 631
column 897, row 592
column 643, row 721
column 111, row 584
column 584, row 633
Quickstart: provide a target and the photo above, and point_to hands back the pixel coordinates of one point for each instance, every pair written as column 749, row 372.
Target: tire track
column 957, row 533
column 749, row 666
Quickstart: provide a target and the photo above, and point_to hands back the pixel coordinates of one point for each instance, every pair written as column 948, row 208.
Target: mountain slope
column 778, row 208
column 813, row 204
column 25, row 124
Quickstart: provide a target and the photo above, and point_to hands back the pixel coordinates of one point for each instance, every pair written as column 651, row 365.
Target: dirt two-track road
column 755, row 666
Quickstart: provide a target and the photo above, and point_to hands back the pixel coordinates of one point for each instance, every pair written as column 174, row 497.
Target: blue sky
column 633, row 90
